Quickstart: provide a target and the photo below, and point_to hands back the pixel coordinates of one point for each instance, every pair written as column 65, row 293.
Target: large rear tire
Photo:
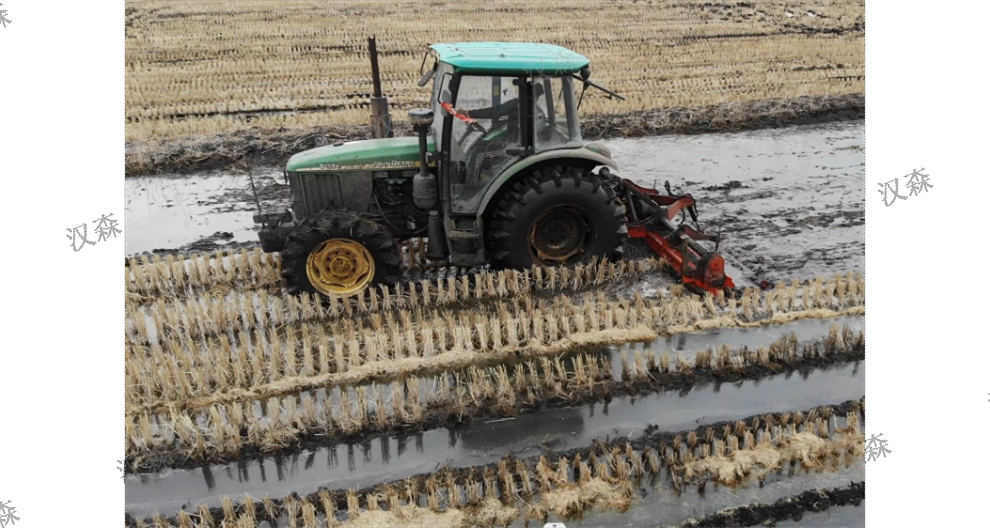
column 557, row 216
column 339, row 254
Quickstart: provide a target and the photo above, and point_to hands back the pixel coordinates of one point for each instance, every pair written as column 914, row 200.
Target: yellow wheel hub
column 340, row 266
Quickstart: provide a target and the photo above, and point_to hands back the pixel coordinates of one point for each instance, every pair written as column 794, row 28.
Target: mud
column 847, row 500
column 690, row 343
column 848, row 516
column 789, row 201
column 744, row 365
column 778, row 498
column 272, row 148
column 199, row 213
column 788, row 478
column 390, row 457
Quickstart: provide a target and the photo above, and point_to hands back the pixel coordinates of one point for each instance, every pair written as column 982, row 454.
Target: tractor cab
column 495, row 104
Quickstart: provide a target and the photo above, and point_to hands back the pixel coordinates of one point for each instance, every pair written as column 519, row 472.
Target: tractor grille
column 315, row 192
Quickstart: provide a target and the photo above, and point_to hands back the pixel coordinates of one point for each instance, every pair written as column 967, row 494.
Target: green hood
column 365, row 155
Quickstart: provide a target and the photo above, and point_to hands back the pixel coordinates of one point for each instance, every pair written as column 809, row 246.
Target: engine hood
column 365, row 155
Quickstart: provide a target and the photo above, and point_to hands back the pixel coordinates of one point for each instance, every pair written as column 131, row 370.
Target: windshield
column 491, row 103
column 556, row 116
column 441, row 82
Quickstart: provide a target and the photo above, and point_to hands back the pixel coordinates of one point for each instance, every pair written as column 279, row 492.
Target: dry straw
column 219, row 431
column 175, row 275
column 247, row 309
column 602, row 476
column 184, row 79
column 229, row 365
column 782, row 353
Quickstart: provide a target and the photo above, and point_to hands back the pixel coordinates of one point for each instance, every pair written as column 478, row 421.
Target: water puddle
column 388, row 457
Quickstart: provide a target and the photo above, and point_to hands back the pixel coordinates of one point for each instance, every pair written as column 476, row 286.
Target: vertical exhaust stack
column 424, row 182
column 425, row 187
column 381, row 121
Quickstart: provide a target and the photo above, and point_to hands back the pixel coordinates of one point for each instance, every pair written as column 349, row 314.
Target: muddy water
column 664, row 507
column 175, row 212
column 841, row 516
column 686, row 346
column 790, row 201
column 805, row 329
column 388, row 458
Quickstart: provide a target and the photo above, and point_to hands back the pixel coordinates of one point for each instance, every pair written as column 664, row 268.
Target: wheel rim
column 340, row 266
column 561, row 235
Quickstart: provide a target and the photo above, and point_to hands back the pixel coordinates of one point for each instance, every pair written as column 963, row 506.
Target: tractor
column 498, row 174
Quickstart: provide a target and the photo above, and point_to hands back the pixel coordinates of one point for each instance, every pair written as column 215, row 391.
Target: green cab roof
column 510, row 57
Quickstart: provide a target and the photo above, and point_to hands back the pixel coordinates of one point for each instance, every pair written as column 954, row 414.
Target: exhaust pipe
column 381, row 121
column 425, row 187
column 424, row 182
column 436, row 246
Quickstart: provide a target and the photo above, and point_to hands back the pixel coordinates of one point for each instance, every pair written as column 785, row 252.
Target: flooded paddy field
column 789, row 201
column 470, row 398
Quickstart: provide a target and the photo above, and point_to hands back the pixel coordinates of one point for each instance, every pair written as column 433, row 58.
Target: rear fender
column 581, row 157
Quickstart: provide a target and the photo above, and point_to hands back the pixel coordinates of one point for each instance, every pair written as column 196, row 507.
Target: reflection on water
column 386, row 458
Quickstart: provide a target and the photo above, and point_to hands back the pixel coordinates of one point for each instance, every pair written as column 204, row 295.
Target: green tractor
column 498, row 174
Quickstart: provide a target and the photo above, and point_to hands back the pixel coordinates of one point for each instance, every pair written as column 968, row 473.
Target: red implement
column 700, row 268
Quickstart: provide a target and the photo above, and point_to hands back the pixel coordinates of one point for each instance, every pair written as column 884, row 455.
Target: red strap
column 450, row 109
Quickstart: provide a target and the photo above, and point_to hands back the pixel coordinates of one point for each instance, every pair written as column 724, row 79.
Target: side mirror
column 445, row 96
column 426, row 77
column 585, row 73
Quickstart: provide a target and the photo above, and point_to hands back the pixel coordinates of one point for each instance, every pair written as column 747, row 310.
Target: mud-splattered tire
column 557, row 215
column 313, row 232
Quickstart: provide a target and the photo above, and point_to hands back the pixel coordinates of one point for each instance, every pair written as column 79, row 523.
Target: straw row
column 222, row 431
column 181, row 274
column 724, row 362
column 784, row 509
column 174, row 275
column 184, row 78
column 603, row 475
column 242, row 269
column 343, row 352
column 208, row 315
column 316, row 354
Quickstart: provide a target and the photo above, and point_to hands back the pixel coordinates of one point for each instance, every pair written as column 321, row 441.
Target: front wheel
column 339, row 254
column 557, row 216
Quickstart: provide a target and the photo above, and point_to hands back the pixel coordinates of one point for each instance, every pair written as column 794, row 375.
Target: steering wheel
column 552, row 132
column 473, row 125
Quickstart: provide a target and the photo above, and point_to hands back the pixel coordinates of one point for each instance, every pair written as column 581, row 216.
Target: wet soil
column 822, row 507
column 790, row 204
column 238, row 151
column 789, row 201
column 561, row 429
column 603, row 391
column 847, row 516
column 780, row 499
column 656, row 500
column 199, row 213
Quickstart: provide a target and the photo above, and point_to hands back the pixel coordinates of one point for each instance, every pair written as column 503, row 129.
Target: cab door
column 489, row 131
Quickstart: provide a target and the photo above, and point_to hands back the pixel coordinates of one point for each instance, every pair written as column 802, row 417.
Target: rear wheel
column 339, row 254
column 557, row 215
